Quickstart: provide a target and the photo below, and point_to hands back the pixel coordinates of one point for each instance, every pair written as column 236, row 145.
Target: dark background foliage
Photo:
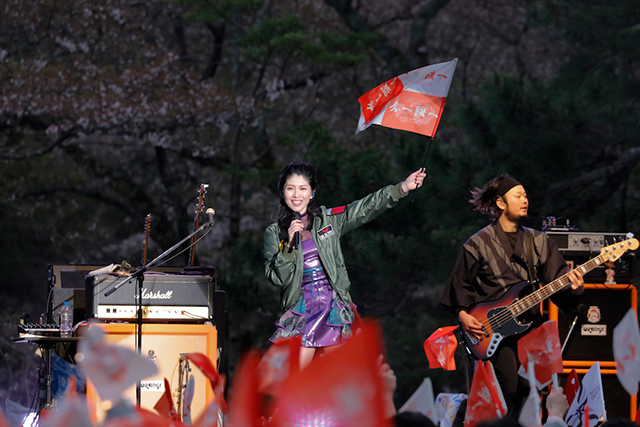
column 111, row 110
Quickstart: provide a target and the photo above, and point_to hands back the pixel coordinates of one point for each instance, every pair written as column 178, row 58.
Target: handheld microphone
column 296, row 236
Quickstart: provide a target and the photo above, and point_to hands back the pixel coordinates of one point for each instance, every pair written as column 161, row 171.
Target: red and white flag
column 626, row 351
column 542, row 347
column 280, row 361
column 412, row 101
column 440, row 348
column 342, row 388
column 485, row 397
column 572, row 386
column 589, row 400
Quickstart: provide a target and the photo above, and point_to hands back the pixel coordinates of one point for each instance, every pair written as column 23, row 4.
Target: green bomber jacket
column 283, row 268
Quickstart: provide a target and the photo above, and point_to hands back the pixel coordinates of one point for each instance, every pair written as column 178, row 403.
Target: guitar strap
column 530, row 252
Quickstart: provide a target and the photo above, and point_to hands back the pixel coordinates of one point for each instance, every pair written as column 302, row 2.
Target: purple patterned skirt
column 319, row 315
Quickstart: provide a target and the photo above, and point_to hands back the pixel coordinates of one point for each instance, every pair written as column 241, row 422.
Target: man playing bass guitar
column 503, row 258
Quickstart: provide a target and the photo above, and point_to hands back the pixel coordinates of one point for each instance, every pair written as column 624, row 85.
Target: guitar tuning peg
column 629, row 235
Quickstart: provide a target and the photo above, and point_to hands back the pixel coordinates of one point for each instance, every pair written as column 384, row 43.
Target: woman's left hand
column 414, row 180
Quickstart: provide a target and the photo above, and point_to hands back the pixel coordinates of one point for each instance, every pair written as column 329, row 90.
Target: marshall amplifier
column 165, row 297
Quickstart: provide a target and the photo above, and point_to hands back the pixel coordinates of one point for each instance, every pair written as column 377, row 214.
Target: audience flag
column 164, row 406
column 422, row 401
column 447, row 406
column 111, row 368
column 440, row 348
column 342, row 388
column 542, row 347
column 626, row 351
column 589, row 394
column 485, row 397
column 280, row 361
column 530, row 412
column 246, row 406
column 412, row 101
column 571, row 388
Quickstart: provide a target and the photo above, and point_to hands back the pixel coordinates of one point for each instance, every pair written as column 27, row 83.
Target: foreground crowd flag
column 422, row 401
column 440, row 348
column 412, row 101
column 572, row 386
column 447, row 406
column 486, row 401
column 590, row 395
column 341, row 388
column 542, row 347
column 626, row 351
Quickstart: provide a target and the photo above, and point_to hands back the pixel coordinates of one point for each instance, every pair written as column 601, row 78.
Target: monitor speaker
column 164, row 343
column 591, row 338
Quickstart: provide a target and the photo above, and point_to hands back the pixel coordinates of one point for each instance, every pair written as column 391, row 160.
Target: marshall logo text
column 146, row 294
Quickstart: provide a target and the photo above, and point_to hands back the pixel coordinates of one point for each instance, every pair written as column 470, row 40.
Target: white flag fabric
column 412, row 101
column 111, row 368
column 447, row 406
column 626, row 351
column 422, row 401
column 589, row 394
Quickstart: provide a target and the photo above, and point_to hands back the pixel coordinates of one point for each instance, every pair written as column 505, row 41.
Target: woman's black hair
column 484, row 199
column 306, row 171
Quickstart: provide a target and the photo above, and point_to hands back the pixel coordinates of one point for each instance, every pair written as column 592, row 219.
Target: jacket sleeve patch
column 335, row 211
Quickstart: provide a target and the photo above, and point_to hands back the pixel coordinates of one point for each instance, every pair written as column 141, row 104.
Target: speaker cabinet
column 592, row 335
column 164, row 343
column 617, row 401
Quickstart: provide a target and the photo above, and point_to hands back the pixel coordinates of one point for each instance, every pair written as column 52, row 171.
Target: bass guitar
column 501, row 318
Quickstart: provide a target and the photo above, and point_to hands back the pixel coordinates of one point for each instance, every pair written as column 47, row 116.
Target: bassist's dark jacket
column 488, row 266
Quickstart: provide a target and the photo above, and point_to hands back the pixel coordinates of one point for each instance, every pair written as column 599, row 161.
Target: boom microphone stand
column 139, row 276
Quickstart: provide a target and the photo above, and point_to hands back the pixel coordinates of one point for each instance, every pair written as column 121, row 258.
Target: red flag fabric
column 246, row 406
column 637, row 420
column 542, row 345
column 205, row 365
column 484, row 398
column 280, row 361
column 440, row 348
column 342, row 389
column 164, row 406
column 412, row 101
column 572, row 386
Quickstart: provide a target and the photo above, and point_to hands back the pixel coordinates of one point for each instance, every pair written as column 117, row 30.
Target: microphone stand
column 566, row 340
column 139, row 276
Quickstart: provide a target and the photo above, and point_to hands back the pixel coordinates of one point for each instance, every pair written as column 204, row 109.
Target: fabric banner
column 591, row 395
column 626, row 351
column 413, row 101
column 440, row 348
column 542, row 347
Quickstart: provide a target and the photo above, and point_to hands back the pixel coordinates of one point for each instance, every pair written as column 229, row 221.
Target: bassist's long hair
column 484, row 199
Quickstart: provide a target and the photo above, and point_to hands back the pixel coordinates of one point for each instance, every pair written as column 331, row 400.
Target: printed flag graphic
column 440, row 348
column 588, row 401
column 542, row 347
column 486, row 401
column 412, row 101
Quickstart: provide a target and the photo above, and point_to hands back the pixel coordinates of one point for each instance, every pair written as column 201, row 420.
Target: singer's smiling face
column 297, row 193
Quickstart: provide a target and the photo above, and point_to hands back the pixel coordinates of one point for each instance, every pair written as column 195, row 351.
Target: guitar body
column 498, row 320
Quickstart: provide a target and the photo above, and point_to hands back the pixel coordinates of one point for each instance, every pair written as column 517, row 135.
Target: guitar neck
column 520, row 306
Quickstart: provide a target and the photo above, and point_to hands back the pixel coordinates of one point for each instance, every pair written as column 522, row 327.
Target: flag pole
column 424, row 161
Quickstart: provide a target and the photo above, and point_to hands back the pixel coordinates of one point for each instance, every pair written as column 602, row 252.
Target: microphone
column 211, row 212
column 296, row 237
